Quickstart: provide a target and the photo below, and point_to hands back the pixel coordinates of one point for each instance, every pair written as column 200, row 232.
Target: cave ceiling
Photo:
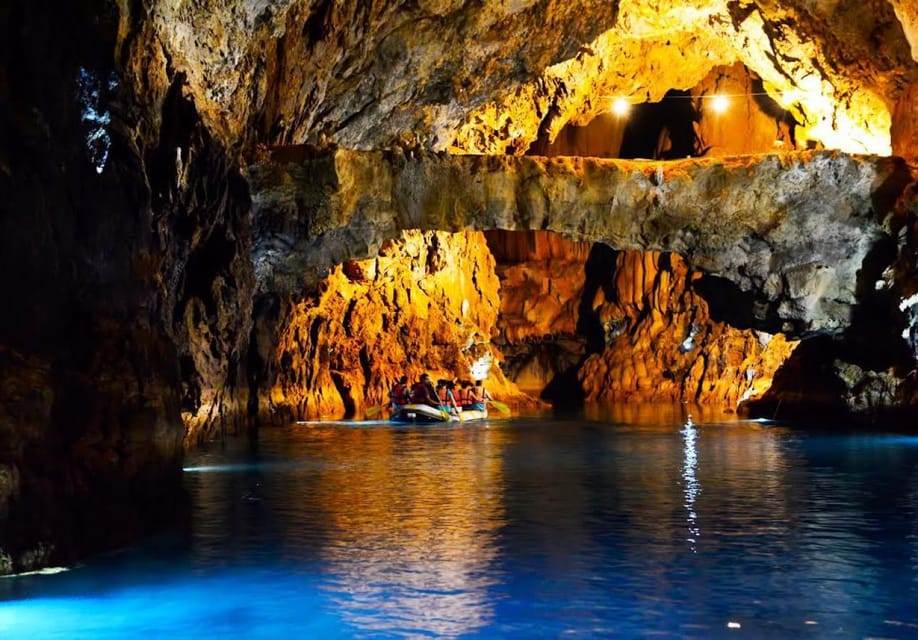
column 482, row 77
column 449, row 77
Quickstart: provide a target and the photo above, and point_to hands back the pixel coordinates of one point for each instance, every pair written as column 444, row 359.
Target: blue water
column 514, row 529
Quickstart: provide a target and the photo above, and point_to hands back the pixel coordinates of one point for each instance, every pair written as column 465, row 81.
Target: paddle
column 500, row 406
column 372, row 411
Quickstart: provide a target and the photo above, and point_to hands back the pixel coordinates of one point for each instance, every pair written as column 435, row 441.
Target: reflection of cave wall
column 581, row 320
column 684, row 124
column 429, row 302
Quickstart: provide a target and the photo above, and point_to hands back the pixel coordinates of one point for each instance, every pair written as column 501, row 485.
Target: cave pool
column 526, row 528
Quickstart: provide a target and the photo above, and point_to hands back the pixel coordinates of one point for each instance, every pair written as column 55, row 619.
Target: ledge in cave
column 792, row 230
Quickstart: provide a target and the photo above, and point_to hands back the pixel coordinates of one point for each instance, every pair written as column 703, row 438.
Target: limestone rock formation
column 809, row 56
column 685, row 124
column 667, row 347
column 905, row 124
column 542, row 290
column 427, row 303
column 792, row 231
column 628, row 325
column 484, row 77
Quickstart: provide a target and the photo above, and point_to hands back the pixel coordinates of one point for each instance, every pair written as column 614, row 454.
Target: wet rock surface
column 586, row 322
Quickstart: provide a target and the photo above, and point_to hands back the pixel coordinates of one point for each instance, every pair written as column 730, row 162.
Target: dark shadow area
column 564, row 391
column 266, row 312
column 344, row 390
column 873, row 340
column 663, row 130
column 885, row 195
column 729, row 304
column 771, row 108
column 806, row 388
column 599, row 270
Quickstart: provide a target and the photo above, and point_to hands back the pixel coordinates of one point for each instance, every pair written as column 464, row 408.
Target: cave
column 221, row 226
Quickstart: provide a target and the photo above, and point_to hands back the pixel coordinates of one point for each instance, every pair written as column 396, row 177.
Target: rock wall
column 809, row 56
column 752, row 123
column 428, row 303
column 149, row 280
column 90, row 435
column 661, row 344
column 124, row 249
column 487, row 77
column 905, row 124
column 626, row 325
column 542, row 277
column 200, row 213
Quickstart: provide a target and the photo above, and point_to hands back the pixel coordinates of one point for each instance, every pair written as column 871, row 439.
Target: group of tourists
column 445, row 396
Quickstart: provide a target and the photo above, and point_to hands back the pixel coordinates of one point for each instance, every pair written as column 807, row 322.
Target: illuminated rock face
column 485, row 77
column 790, row 231
column 663, row 346
column 806, row 54
column 427, row 303
column 542, row 291
column 633, row 327
column 627, row 325
column 151, row 276
column 686, row 124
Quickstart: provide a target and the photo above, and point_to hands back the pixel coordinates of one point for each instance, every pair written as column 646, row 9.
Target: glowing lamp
column 620, row 107
column 719, row 104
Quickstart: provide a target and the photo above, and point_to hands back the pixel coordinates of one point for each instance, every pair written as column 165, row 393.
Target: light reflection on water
column 523, row 528
column 692, row 487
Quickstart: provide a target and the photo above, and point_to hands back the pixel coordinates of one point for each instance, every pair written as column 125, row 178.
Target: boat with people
column 425, row 403
column 424, row 413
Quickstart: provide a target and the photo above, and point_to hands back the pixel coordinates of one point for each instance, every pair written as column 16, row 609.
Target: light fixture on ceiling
column 620, row 107
column 719, row 104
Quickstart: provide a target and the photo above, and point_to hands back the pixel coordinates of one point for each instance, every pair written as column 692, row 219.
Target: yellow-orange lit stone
column 647, row 310
column 673, row 45
column 652, row 360
column 428, row 303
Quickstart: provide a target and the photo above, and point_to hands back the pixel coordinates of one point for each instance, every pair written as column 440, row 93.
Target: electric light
column 620, row 107
column 719, row 104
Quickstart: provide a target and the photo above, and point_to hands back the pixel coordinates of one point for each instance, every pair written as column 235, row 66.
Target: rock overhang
column 793, row 230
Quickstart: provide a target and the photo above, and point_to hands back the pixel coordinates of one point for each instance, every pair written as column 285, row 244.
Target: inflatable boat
column 424, row 413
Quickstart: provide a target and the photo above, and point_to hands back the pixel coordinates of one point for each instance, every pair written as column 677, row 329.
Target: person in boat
column 423, row 392
column 400, row 394
column 464, row 394
column 480, row 396
column 448, row 397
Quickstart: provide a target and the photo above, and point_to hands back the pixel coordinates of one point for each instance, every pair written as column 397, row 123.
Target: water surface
column 523, row 528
